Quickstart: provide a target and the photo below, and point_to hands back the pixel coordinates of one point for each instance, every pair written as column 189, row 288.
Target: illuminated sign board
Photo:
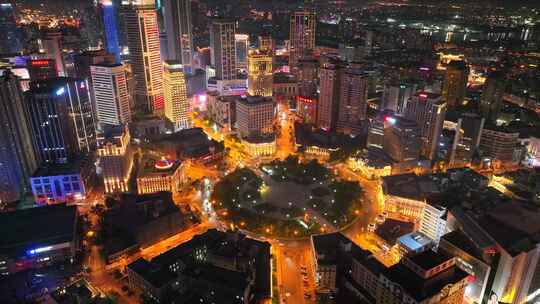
column 40, row 63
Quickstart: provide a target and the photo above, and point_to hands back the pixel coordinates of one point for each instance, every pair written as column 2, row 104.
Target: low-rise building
column 218, row 267
column 222, row 110
column 62, row 183
column 159, row 174
column 37, row 237
column 115, row 158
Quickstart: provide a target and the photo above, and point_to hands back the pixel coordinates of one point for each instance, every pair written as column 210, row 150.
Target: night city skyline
column 258, row 152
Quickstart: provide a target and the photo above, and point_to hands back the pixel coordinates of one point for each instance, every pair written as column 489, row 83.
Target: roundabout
column 286, row 199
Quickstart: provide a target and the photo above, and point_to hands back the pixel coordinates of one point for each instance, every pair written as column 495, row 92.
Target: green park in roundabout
column 287, row 199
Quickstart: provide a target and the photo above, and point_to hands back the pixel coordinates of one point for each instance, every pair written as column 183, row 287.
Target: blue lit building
column 110, row 24
column 10, row 35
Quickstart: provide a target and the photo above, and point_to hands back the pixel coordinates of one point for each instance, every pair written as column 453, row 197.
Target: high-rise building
column 10, row 34
column 61, row 119
column 469, row 128
column 223, row 47
column 455, row 83
column 499, row 143
column 396, row 95
column 84, row 60
column 17, row 159
column 302, row 35
column 428, row 111
column 111, row 94
column 39, row 69
column 241, row 42
column 260, row 77
column 175, row 92
column 328, row 105
column 144, row 53
column 401, row 139
column 492, row 96
column 353, row 103
column 115, row 158
column 51, row 44
column 110, row 26
column 307, row 72
column 178, row 25
column 255, row 116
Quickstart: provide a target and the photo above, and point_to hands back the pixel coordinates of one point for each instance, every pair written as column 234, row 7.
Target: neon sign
column 39, row 250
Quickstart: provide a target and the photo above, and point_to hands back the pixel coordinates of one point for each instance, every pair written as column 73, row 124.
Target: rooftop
column 414, row 241
column 73, row 167
column 326, row 246
column 36, row 227
column 428, row 259
column 392, row 229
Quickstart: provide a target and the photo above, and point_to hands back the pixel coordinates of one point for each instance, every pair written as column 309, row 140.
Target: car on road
column 379, row 219
column 371, row 227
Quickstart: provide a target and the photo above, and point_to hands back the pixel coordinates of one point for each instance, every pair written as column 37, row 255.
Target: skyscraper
column 144, row 52
column 111, row 94
column 241, row 42
column 396, row 95
column 455, row 83
column 266, row 43
column 328, row 105
column 115, row 158
column 10, row 34
column 17, row 159
column 223, row 47
column 353, row 98
column 302, row 35
column 491, row 101
column 428, row 111
column 260, row 77
column 401, row 139
column 255, row 116
column 61, row 119
column 175, row 91
column 110, row 24
column 178, row 26
column 51, row 43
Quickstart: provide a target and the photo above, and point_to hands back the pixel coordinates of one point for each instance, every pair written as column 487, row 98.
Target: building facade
column 223, row 47
column 255, row 116
column 302, row 35
column 111, row 94
column 144, row 53
column 61, row 118
column 260, row 73
column 428, row 111
column 175, row 92
column 455, row 83
column 115, row 158
column 178, row 27
column 17, row 158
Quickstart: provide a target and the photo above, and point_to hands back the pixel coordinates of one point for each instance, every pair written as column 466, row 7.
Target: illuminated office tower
column 223, row 47
column 428, row 111
column 61, row 119
column 455, row 83
column 302, row 36
column 492, row 96
column 51, row 44
column 353, row 98
column 241, row 42
column 111, row 94
column 175, row 91
column 110, row 24
column 178, row 26
column 260, row 77
column 10, row 34
column 17, row 159
column 144, row 52
column 115, row 158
